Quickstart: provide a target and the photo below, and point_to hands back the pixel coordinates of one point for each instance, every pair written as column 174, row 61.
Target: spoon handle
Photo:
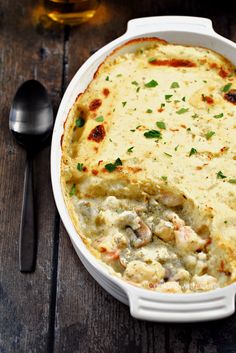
column 27, row 246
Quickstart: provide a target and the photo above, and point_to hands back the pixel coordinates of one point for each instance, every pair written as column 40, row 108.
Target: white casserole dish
column 144, row 304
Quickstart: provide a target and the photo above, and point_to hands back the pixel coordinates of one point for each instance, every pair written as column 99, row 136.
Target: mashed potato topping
column 149, row 166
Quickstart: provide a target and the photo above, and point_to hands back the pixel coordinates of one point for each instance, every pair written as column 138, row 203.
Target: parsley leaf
column 152, row 134
column 73, row 190
column 130, row 150
column 137, row 90
column 219, row 116
column 161, row 125
column 135, row 83
column 100, row 119
column 220, row 175
column 209, row 134
column 149, row 111
column 232, row 181
column 174, row 85
column 112, row 166
column 195, row 116
column 168, row 96
column 167, row 154
column 124, row 103
column 163, row 177
column 151, row 59
column 151, row 84
column 80, row 166
column 118, row 161
column 226, row 88
column 183, row 99
column 80, row 122
column 176, row 147
column 192, row 151
column 182, row 111
column 107, row 78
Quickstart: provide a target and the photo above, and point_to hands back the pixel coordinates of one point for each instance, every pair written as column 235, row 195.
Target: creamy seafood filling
column 148, row 244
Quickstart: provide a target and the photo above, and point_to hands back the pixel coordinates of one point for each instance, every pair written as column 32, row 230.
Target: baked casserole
column 148, row 168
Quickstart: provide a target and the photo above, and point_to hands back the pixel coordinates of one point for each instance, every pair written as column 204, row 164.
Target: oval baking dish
column 144, row 304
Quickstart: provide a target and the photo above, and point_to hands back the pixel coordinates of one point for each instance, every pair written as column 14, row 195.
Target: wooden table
column 60, row 308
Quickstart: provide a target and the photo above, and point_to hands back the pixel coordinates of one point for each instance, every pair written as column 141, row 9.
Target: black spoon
column 31, row 122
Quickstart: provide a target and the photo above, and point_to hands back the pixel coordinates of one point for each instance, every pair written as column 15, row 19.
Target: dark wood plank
column 87, row 318
column 25, row 53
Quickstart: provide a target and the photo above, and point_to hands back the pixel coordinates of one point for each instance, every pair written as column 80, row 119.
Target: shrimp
column 174, row 218
column 186, row 239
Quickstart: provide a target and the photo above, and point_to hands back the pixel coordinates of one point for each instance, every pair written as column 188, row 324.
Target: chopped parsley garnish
column 195, row 116
column 130, row 150
column 151, row 59
column 152, row 134
column 73, row 190
column 183, row 99
column 168, row 96
column 219, row 116
column 182, row 111
column 138, row 126
column 80, row 166
column 226, row 88
column 220, row 175
column 188, row 129
column 163, row 177
column 135, row 83
column 137, row 90
column 232, row 181
column 112, row 166
column 107, row 78
column 205, row 81
column 110, row 140
column 176, row 101
column 132, row 130
column 119, row 75
column 167, row 154
column 80, row 122
column 161, row 125
column 151, row 84
column 124, row 103
column 162, row 105
column 118, row 161
column 209, row 134
column 176, row 147
column 149, row 111
column 174, row 85
column 100, row 119
column 192, row 151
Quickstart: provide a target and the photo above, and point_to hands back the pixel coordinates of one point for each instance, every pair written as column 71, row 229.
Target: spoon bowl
column 31, row 115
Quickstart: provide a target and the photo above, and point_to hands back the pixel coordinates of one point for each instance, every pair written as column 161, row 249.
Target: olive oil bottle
column 71, row 12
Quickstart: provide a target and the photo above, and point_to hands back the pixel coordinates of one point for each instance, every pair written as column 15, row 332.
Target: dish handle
column 170, row 23
column 154, row 306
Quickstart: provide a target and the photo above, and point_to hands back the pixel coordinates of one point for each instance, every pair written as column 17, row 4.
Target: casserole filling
column 149, row 243
column 148, row 167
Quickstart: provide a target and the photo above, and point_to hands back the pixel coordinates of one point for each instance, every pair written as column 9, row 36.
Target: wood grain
column 25, row 298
